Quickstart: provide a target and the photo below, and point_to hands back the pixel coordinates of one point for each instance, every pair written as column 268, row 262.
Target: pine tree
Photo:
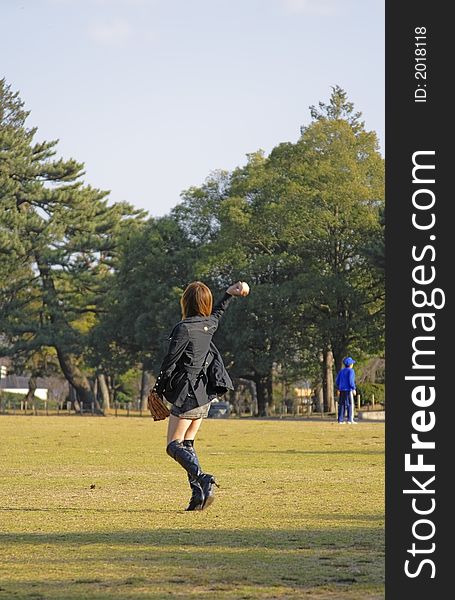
column 58, row 241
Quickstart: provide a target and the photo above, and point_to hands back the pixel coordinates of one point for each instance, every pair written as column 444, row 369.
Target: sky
column 154, row 95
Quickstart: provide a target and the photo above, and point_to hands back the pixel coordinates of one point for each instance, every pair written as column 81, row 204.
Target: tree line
column 90, row 288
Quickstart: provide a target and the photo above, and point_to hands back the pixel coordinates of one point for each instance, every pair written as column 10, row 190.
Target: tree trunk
column 31, row 389
column 270, row 390
column 338, row 355
column 76, row 378
column 67, row 360
column 329, row 398
column 145, row 387
column 254, row 396
column 111, row 384
column 72, row 396
column 253, row 391
column 261, row 391
column 237, row 403
column 94, row 387
column 110, row 389
column 319, row 398
column 104, row 391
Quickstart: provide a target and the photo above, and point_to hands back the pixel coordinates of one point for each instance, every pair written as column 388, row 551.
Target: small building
column 17, row 384
column 303, row 391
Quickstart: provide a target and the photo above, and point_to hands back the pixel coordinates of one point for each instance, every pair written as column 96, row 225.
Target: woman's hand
column 241, row 288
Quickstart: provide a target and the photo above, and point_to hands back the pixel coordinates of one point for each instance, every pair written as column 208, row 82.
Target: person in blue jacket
column 345, row 383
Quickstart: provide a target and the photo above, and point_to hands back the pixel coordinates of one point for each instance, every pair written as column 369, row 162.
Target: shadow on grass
column 196, row 563
column 67, row 509
column 352, row 537
column 351, row 451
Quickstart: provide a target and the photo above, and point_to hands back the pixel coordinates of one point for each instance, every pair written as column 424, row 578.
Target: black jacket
column 193, row 363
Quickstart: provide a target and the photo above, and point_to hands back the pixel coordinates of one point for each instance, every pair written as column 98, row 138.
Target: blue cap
column 348, row 361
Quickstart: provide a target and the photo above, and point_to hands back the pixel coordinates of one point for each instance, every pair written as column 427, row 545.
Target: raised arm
column 236, row 289
column 221, row 306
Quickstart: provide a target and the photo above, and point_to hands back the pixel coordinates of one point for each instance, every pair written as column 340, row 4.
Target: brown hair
column 196, row 300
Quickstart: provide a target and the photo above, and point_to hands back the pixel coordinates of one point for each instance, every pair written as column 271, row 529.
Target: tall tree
column 299, row 224
column 157, row 262
column 344, row 171
column 64, row 233
column 339, row 177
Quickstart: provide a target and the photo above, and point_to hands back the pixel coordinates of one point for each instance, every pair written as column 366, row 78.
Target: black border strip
column 418, row 120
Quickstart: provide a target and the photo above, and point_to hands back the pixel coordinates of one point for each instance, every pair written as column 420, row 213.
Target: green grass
column 299, row 513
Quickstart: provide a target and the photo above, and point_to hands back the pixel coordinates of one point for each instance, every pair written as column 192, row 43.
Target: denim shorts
column 190, row 409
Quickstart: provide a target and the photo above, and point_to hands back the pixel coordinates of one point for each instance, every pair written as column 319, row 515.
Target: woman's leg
column 192, row 430
column 177, row 428
column 197, row 496
column 181, row 434
column 188, row 442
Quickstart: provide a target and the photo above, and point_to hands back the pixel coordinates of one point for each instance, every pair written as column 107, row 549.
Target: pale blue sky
column 154, row 94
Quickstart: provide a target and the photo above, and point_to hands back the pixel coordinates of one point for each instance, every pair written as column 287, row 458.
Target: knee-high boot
column 197, row 496
column 189, row 461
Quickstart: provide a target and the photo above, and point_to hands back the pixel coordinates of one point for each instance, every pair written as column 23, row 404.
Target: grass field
column 299, row 513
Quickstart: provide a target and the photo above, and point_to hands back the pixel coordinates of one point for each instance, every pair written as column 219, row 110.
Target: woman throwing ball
column 191, row 376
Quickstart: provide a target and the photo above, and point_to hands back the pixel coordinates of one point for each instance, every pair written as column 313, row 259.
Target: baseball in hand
column 241, row 288
column 245, row 288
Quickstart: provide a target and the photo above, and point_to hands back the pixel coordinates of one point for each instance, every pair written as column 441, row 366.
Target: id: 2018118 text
column 420, row 64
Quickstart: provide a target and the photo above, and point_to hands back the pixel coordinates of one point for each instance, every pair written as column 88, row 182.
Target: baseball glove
column 156, row 406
